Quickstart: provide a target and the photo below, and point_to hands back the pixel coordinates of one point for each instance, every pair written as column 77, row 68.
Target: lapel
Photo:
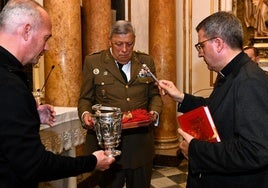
column 136, row 65
column 111, row 67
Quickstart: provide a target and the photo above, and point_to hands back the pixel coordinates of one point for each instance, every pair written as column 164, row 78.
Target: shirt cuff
column 156, row 123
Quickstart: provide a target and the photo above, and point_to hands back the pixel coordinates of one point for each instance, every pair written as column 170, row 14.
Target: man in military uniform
column 104, row 84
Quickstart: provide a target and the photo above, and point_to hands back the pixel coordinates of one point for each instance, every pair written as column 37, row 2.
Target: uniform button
column 102, row 83
column 126, row 86
column 128, row 99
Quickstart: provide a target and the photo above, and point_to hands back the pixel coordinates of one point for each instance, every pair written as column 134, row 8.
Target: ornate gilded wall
column 240, row 10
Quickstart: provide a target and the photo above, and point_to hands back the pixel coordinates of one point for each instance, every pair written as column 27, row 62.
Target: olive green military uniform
column 103, row 84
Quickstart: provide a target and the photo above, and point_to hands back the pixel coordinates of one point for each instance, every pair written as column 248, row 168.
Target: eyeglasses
column 200, row 45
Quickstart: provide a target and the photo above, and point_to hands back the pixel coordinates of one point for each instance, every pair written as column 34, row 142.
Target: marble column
column 63, row 86
column 162, row 46
column 96, row 19
column 96, row 24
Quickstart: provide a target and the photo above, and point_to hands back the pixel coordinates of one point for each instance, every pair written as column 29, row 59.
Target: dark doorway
column 119, row 6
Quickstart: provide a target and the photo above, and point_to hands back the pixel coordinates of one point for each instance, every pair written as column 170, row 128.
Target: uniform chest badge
column 96, row 71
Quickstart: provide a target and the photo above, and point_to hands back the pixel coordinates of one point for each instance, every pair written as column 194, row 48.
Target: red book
column 199, row 124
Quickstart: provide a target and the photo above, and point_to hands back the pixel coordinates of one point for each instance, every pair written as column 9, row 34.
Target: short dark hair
column 224, row 25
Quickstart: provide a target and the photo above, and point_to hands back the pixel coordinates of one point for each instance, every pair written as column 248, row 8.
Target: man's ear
column 220, row 44
column 26, row 31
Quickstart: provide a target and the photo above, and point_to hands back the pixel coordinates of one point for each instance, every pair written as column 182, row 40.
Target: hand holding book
column 199, row 124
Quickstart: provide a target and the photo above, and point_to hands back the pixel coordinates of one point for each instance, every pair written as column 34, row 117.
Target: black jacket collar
column 12, row 65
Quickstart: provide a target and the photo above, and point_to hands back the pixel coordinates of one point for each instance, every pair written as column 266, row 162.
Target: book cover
column 199, row 124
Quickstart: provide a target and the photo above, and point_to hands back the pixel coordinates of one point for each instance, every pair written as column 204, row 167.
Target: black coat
column 239, row 106
column 23, row 159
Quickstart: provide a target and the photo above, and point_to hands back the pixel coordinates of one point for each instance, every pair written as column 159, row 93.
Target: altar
column 62, row 139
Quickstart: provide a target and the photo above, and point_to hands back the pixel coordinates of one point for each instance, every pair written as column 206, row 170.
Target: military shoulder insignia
column 140, row 52
column 95, row 53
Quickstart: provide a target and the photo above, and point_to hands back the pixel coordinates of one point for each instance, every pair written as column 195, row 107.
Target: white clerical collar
column 222, row 75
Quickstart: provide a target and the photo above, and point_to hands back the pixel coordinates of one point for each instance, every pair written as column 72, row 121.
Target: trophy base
column 112, row 153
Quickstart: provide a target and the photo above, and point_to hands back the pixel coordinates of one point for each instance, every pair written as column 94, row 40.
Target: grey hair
column 122, row 27
column 224, row 25
column 18, row 12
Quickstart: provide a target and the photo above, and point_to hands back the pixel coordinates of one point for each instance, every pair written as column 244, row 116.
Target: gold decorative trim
column 211, row 79
column 234, row 6
column 184, row 45
column 212, row 6
column 190, row 16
